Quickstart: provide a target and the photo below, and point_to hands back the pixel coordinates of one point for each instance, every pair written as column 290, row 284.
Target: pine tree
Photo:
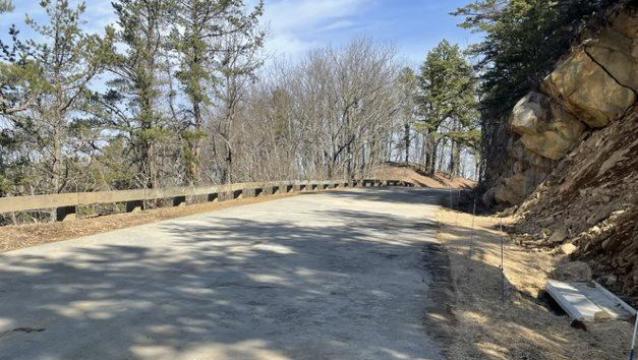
column 51, row 78
column 448, row 102
column 199, row 40
column 5, row 6
column 408, row 87
column 133, row 101
column 237, row 65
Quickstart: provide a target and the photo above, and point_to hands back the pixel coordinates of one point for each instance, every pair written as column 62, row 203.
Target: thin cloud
column 293, row 24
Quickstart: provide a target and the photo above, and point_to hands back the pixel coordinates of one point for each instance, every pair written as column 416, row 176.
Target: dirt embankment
column 419, row 177
column 521, row 325
column 591, row 201
column 572, row 171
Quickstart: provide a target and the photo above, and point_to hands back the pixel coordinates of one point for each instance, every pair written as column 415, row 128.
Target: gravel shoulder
column 524, row 326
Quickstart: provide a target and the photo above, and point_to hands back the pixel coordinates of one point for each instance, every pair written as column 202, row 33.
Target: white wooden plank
column 588, row 301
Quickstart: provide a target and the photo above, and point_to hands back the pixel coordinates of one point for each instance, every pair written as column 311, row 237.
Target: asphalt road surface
column 336, row 275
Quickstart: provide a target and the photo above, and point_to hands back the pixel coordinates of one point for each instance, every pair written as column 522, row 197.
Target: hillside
column 419, row 177
column 571, row 170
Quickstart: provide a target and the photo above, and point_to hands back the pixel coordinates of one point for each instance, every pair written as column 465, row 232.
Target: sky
column 294, row 27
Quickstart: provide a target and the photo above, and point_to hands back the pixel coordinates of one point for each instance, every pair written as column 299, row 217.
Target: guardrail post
column 134, row 206
column 238, row 194
column 213, row 197
column 66, row 213
column 290, row 188
column 179, row 201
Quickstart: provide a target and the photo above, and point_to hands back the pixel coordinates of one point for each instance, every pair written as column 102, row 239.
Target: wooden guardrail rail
column 66, row 204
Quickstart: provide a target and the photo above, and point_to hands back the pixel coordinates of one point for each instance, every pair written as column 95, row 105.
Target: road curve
column 335, row 275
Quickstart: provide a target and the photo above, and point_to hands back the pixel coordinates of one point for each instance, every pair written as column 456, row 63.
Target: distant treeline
column 175, row 93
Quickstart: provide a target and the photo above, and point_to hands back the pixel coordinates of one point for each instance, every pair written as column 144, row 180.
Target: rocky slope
column 573, row 159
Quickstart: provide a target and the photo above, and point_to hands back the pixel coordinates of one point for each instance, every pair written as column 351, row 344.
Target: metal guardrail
column 66, row 204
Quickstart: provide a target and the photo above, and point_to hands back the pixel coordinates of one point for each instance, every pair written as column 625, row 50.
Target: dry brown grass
column 21, row 236
column 522, row 327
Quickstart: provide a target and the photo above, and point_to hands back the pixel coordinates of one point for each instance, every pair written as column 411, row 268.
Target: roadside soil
column 419, row 178
column 523, row 324
column 21, row 236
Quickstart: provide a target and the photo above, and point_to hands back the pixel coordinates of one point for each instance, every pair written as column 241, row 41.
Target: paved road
column 318, row 276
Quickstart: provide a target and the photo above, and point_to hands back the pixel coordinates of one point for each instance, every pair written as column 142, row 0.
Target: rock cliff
column 573, row 153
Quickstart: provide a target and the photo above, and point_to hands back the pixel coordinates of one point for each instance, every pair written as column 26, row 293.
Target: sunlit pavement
column 334, row 275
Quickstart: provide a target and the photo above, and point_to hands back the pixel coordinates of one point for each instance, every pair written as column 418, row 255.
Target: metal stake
column 472, row 236
column 632, row 353
column 502, row 265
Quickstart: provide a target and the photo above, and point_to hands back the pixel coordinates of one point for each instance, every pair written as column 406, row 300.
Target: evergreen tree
column 50, row 80
column 448, row 102
column 408, row 87
column 237, row 65
column 199, row 40
column 133, row 103
column 5, row 6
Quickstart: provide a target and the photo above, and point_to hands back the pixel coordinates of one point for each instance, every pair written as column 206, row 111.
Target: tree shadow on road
column 237, row 288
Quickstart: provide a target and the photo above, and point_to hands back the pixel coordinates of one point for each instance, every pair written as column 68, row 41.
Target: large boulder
column 626, row 23
column 511, row 191
column 529, row 114
column 615, row 48
column 599, row 81
column 514, row 189
column 587, row 90
column 545, row 127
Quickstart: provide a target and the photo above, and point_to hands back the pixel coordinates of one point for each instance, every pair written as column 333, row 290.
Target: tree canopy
column 523, row 40
column 448, row 99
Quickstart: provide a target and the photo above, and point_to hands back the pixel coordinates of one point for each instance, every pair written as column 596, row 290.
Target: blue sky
column 296, row 26
column 412, row 26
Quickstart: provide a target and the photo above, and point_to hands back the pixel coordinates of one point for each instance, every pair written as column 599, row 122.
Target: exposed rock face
column 526, row 170
column 588, row 91
column 545, row 128
column 573, row 159
column 599, row 81
column 596, row 85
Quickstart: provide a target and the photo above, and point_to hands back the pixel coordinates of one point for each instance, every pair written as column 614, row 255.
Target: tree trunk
column 434, row 155
column 194, row 167
column 452, row 164
column 56, row 161
column 228, row 170
column 406, row 139
column 457, row 160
